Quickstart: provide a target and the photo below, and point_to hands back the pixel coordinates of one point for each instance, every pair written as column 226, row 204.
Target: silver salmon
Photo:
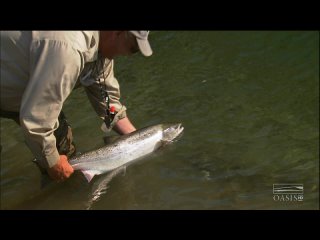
column 125, row 149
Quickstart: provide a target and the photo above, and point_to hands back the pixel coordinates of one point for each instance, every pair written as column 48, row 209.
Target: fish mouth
column 179, row 129
column 173, row 131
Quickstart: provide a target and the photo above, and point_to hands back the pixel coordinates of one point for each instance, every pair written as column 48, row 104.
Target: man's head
column 116, row 43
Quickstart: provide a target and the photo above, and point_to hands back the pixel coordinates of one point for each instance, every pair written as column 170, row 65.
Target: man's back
column 15, row 47
column 17, row 59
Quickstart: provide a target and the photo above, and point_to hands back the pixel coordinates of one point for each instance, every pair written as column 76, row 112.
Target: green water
column 249, row 102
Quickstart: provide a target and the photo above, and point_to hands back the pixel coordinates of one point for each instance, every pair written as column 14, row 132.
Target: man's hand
column 62, row 170
column 124, row 126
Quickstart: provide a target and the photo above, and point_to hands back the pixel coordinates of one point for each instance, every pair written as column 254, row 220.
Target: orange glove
column 62, row 170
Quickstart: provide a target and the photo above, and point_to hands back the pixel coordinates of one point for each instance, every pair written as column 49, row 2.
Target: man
column 39, row 69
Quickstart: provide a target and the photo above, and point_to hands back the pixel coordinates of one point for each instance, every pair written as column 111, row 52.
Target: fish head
column 171, row 131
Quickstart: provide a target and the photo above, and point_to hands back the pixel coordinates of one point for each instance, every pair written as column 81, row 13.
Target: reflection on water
column 100, row 185
column 249, row 102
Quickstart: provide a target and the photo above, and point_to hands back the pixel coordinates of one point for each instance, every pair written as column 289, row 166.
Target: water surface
column 249, row 102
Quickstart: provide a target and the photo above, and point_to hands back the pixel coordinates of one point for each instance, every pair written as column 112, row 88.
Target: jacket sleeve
column 109, row 83
column 54, row 69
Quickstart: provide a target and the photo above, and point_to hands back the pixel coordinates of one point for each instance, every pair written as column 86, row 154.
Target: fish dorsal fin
column 110, row 139
column 89, row 174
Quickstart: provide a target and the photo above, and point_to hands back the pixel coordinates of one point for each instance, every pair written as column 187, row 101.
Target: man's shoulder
column 83, row 41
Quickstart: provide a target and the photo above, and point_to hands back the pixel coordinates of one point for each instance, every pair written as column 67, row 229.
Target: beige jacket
column 39, row 69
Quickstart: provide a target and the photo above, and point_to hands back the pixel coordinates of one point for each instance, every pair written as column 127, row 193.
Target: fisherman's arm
column 124, row 126
column 120, row 123
column 51, row 81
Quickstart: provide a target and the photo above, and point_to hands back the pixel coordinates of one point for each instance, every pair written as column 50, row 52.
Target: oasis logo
column 288, row 192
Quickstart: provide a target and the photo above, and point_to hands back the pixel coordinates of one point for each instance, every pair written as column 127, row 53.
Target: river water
column 249, row 102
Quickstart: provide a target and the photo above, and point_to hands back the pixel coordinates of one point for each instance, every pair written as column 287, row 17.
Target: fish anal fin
column 89, row 174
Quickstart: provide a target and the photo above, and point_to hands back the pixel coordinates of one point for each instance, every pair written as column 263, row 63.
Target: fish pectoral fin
column 89, row 174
